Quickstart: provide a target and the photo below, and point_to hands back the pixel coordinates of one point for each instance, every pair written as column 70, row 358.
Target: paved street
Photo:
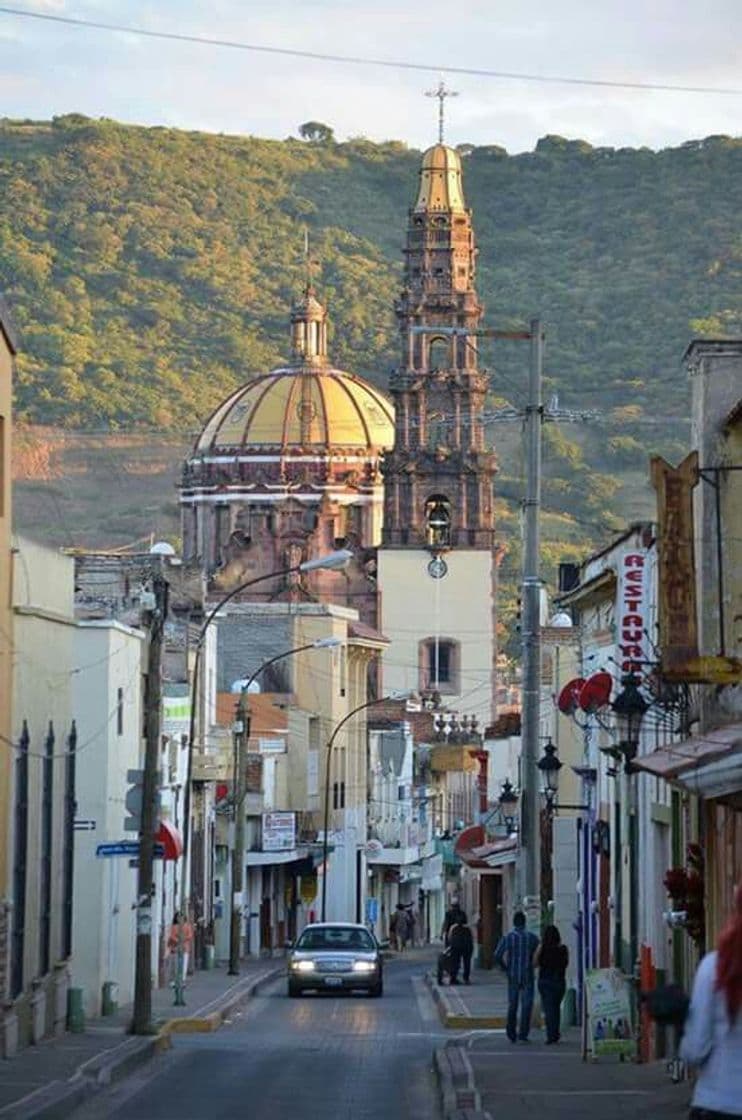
column 308, row 1058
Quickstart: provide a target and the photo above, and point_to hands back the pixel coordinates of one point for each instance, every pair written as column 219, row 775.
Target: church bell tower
column 436, row 564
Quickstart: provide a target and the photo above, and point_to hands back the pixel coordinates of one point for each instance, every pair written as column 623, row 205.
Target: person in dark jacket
column 551, row 958
column 454, row 915
column 461, row 943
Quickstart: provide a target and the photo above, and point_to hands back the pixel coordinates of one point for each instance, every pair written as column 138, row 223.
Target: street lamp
column 331, row 561
column 629, row 708
column 508, row 801
column 331, row 743
column 549, row 765
column 240, row 743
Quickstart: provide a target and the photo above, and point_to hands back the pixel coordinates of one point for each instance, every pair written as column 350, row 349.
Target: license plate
column 333, row 982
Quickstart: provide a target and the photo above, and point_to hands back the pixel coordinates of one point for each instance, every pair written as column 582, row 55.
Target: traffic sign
column 124, row 848
column 84, row 826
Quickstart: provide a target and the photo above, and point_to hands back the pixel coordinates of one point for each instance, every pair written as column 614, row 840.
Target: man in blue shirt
column 514, row 954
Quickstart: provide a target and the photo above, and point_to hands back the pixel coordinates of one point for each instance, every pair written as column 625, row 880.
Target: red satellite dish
column 596, row 692
column 569, row 697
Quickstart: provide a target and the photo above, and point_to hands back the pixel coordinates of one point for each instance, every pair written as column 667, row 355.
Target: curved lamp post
column 331, row 561
column 240, row 743
column 330, row 744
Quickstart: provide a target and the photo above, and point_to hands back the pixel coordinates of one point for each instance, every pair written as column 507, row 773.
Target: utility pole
column 142, row 1020
column 531, row 638
column 241, row 733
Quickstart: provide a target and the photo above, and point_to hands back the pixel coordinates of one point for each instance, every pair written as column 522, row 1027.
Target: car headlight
column 364, row 966
column 303, row 966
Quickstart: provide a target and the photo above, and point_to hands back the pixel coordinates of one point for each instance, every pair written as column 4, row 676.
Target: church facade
column 308, row 458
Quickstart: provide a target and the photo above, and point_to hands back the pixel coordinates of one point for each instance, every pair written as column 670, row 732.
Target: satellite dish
column 560, row 620
column 596, row 692
column 569, row 697
column 162, row 548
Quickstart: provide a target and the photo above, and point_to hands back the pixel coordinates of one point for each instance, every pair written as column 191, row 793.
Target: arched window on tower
column 439, row 353
column 438, row 521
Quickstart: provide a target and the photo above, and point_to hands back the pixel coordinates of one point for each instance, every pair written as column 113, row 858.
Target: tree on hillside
column 317, row 132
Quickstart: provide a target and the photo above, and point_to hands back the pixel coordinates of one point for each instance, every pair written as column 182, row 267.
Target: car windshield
column 337, row 937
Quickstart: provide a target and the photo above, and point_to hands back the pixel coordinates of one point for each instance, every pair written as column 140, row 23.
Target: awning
column 474, row 850
column 709, row 765
column 172, row 842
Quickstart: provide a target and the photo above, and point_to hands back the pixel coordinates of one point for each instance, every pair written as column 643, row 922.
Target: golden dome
column 313, row 409
column 440, row 180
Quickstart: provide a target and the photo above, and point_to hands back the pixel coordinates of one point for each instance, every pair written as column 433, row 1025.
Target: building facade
column 7, row 354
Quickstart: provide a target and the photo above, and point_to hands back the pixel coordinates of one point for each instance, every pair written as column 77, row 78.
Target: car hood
column 348, row 955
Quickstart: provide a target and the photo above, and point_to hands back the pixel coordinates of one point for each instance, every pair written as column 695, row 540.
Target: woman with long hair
column 552, row 959
column 713, row 1032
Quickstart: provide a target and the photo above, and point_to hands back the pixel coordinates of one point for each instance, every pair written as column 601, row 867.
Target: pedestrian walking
column 453, row 915
column 713, row 1031
column 393, row 923
column 403, row 926
column 461, row 944
column 179, row 938
column 514, row 954
column 551, row 958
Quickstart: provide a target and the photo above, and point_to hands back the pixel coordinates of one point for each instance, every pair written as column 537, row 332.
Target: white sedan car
column 337, row 956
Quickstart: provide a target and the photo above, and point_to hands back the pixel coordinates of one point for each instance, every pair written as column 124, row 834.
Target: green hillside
column 150, row 270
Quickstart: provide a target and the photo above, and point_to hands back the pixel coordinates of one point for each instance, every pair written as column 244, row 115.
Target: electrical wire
column 360, row 60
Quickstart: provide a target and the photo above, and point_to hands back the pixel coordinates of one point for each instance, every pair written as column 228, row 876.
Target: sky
column 48, row 69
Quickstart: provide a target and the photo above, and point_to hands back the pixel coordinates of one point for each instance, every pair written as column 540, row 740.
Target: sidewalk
column 482, row 1005
column 51, row 1079
column 488, row 1076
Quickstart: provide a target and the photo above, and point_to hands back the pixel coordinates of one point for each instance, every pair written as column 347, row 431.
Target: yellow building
column 7, row 353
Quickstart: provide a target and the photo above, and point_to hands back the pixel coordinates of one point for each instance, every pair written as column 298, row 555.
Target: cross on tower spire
column 441, row 92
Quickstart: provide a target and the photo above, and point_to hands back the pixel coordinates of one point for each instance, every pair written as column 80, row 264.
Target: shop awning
column 709, row 765
column 474, row 850
column 172, row 842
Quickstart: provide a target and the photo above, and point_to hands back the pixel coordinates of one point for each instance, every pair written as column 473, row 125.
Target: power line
column 360, row 60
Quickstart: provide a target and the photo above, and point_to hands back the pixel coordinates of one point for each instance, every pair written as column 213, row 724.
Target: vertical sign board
column 609, row 1029
column 633, row 609
column 676, row 558
column 176, row 716
column 279, row 832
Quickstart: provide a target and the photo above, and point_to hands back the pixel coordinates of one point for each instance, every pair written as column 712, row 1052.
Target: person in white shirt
column 712, row 1041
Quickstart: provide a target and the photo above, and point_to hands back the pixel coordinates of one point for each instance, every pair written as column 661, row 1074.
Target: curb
column 213, row 1020
column 59, row 1099
column 459, row 1095
column 453, row 1020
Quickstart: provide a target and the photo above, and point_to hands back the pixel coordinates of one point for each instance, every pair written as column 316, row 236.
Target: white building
column 107, row 698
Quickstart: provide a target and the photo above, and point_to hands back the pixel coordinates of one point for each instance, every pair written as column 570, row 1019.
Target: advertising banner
column 609, row 1029
column 279, row 832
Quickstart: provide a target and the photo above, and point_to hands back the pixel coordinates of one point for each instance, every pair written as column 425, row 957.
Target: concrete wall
column 45, row 665
column 459, row 606
column 104, row 917
column 6, row 647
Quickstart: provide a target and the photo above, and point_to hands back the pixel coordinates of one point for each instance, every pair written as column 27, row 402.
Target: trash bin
column 209, row 956
column 109, row 1000
column 75, row 1012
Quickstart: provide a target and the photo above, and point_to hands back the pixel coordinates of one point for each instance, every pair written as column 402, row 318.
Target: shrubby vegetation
column 151, row 270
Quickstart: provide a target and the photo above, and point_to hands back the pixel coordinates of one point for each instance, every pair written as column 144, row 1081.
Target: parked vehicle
column 335, row 956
